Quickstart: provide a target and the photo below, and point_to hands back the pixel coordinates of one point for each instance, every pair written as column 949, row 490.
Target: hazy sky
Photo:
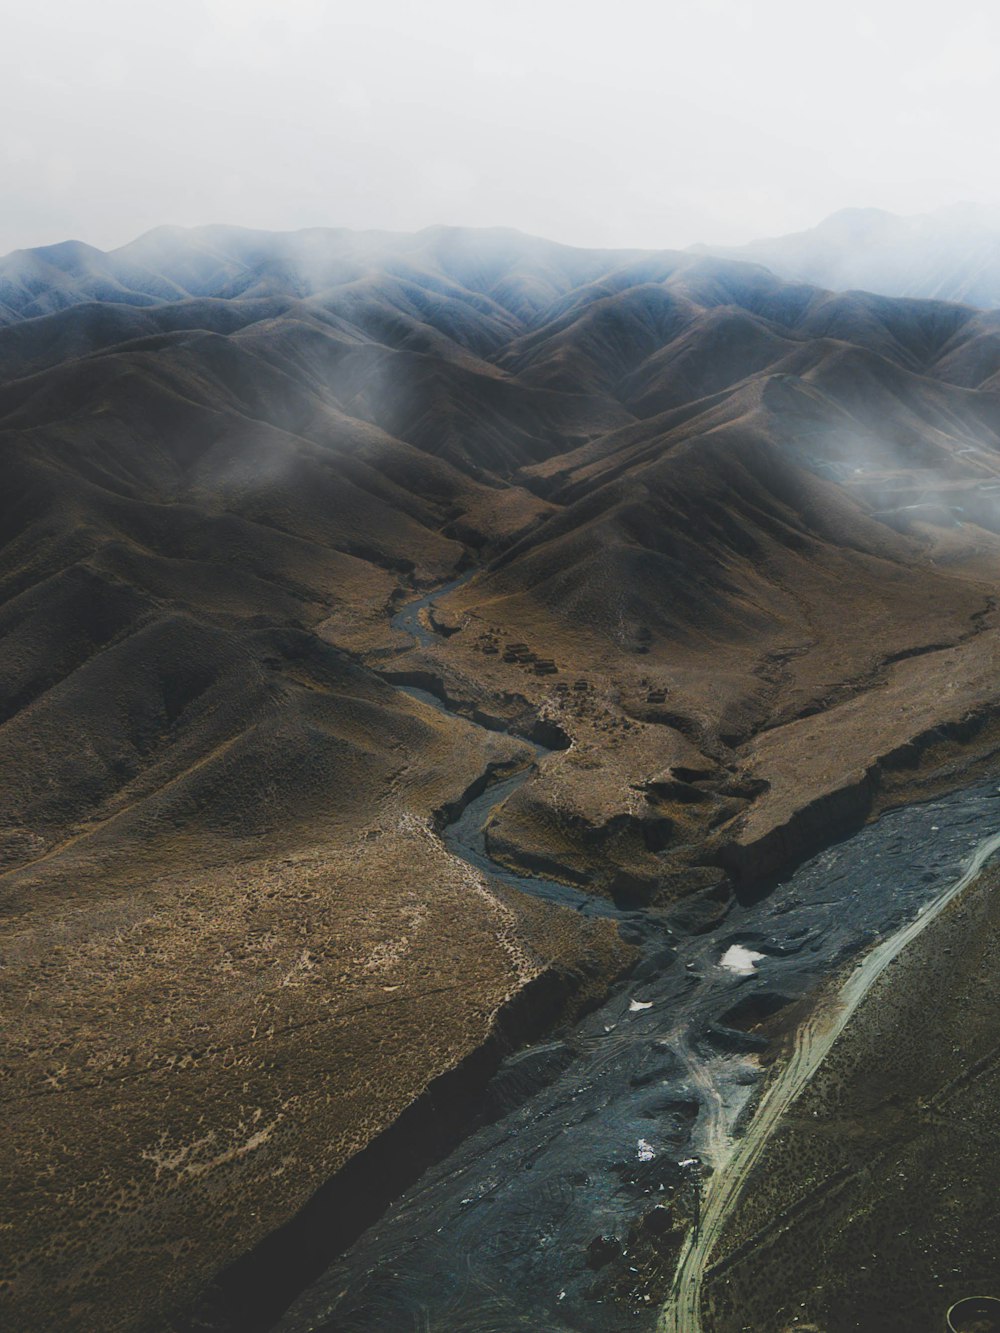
column 623, row 123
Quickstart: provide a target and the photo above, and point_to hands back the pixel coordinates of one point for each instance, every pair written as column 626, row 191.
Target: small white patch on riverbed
column 646, row 1151
column 740, row 959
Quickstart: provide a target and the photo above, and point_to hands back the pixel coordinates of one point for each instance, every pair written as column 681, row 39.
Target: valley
column 426, row 656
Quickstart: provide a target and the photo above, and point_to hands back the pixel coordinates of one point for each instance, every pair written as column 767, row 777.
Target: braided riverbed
column 545, row 1216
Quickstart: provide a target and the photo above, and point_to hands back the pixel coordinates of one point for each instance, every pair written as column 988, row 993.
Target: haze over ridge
column 952, row 254
column 658, row 126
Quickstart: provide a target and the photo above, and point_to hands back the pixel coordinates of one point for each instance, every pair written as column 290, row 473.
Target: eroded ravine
column 566, row 1210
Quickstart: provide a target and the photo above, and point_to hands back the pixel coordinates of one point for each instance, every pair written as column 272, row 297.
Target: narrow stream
column 538, row 1220
column 465, row 836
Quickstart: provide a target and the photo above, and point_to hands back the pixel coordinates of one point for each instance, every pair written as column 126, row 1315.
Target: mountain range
column 949, row 255
column 728, row 542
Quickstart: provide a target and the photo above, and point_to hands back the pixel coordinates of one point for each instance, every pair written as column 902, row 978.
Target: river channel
column 590, row 1130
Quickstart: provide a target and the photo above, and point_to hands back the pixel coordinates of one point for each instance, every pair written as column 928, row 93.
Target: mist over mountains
column 732, row 544
column 949, row 255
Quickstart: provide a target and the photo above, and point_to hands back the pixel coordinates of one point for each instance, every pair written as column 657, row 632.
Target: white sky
column 624, row 123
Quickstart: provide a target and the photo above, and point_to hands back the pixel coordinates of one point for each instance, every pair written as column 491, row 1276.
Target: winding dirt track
column 682, row 1313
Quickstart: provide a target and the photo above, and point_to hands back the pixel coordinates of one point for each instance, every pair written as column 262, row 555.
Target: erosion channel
column 571, row 1203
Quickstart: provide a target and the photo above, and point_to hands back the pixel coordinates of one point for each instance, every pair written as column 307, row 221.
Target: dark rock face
column 602, row 1250
column 951, row 255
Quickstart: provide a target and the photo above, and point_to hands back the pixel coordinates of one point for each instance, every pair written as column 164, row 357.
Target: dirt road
column 682, row 1314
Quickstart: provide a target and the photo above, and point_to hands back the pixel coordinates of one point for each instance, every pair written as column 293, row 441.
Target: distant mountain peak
column 951, row 254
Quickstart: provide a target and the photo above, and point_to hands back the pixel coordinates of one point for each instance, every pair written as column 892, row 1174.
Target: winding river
column 527, row 1224
column 465, row 835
